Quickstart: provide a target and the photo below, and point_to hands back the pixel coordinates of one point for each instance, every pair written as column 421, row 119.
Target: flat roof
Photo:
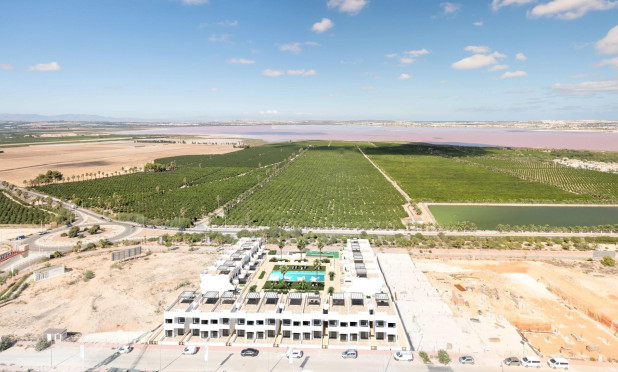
column 186, row 294
column 252, row 295
column 271, row 295
column 53, row 331
column 338, row 296
column 295, row 295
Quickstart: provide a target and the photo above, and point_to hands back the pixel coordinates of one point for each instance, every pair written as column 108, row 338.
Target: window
column 226, row 320
column 169, row 333
column 250, row 322
column 271, row 322
column 196, row 320
column 317, row 322
column 343, row 324
column 392, row 325
column 204, row 321
column 306, row 322
column 259, row 322
column 332, row 323
column 214, row 321
column 380, row 323
column 181, row 320
column 168, row 321
column 296, row 323
column 241, row 321
column 353, row 324
column 364, row 323
column 287, row 322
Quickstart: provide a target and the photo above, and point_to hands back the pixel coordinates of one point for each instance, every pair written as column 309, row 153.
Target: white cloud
column 520, row 57
column 579, row 76
column 404, row 77
column 302, row 72
column 322, row 26
column 368, row 88
column 512, row 74
column 588, row 87
column 296, row 47
column 570, row 9
column 240, row 61
column 609, row 62
column 498, row 68
column 449, row 8
column 213, row 89
column 477, row 49
column 406, row 60
column 218, row 38
column 416, row 53
column 609, row 44
column 348, row 6
column 478, row 24
column 497, row 4
column 195, row 2
column 392, row 55
column 228, row 23
column 269, row 112
column 52, row 66
column 6, row 67
column 477, row 61
column 272, row 73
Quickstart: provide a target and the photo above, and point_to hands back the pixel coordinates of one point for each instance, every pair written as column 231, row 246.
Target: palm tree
column 281, row 245
column 301, row 247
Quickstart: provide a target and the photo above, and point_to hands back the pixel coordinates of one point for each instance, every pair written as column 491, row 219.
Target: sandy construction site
column 562, row 308
column 129, row 296
column 24, row 163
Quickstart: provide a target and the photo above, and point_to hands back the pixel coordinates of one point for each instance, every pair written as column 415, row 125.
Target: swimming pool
column 294, row 276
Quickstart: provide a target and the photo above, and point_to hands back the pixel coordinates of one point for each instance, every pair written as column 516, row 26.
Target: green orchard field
column 326, row 187
column 16, row 212
column 196, row 187
column 433, row 173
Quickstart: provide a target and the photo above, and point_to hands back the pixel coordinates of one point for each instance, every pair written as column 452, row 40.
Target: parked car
column 189, row 350
column 182, row 229
column 125, row 349
column 512, row 361
column 43, row 232
column 250, row 352
column 20, row 237
column 531, row 361
column 466, row 359
column 295, row 353
column 404, row 355
column 350, row 353
column 558, row 363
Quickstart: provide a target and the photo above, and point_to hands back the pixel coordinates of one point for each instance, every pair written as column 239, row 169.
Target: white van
column 558, row 363
column 531, row 361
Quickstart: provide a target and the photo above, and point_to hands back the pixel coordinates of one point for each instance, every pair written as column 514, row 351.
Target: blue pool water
column 293, row 276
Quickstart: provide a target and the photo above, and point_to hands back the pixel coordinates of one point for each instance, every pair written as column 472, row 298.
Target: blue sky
column 311, row 59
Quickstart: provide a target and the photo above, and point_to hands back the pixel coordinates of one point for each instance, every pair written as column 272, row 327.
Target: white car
column 125, row 349
column 531, row 361
column 404, row 355
column 296, row 353
column 189, row 350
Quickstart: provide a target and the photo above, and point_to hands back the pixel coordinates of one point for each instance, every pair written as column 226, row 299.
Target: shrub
column 94, row 229
column 443, row 357
column 42, row 344
column 331, row 275
column 7, row 342
column 73, row 231
column 424, row 356
column 608, row 261
column 272, row 252
column 89, row 275
column 262, row 274
column 253, row 288
column 331, row 290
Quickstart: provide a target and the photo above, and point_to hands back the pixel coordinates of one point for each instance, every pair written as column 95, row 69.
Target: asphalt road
column 65, row 357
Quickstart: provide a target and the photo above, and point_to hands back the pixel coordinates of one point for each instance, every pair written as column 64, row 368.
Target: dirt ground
column 129, row 296
column 24, row 163
column 561, row 307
